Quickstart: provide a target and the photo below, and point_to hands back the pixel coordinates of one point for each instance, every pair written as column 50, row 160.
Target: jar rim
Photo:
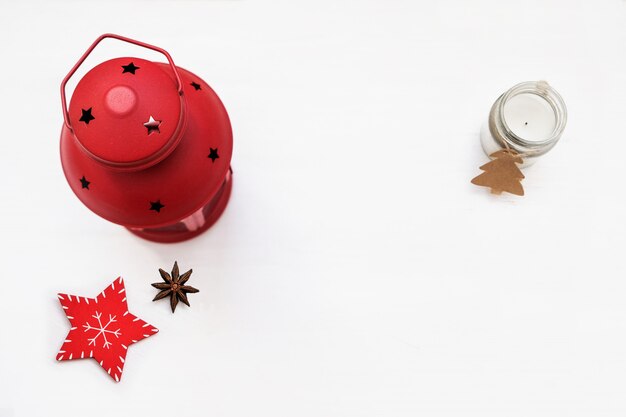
column 503, row 132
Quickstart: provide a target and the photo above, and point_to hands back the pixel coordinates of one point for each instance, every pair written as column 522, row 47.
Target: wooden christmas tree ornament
column 502, row 173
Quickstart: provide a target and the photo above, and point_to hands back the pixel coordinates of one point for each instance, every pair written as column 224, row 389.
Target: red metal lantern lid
column 127, row 113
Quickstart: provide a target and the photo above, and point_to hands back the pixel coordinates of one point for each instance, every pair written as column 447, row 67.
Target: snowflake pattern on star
column 102, row 328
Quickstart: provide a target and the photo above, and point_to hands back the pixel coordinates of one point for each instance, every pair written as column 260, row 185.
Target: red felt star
column 102, row 328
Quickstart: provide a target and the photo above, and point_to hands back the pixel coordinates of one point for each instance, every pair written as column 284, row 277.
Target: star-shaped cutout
column 102, row 328
column 196, row 86
column 174, row 286
column 86, row 116
column 131, row 68
column 213, row 154
column 84, row 183
column 156, row 206
column 152, row 125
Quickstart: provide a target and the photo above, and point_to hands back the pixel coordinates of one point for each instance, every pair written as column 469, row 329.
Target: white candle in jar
column 529, row 119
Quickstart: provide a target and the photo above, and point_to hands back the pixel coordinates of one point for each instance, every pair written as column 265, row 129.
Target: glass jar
column 529, row 118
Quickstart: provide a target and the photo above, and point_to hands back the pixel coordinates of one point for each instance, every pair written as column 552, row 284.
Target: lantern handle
column 66, row 113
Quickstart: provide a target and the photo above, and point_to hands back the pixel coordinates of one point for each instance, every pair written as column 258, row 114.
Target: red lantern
column 147, row 145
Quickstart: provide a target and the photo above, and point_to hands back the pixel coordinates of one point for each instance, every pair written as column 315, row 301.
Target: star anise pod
column 174, row 286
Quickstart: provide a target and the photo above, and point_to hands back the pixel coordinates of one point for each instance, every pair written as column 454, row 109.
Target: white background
column 356, row 271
